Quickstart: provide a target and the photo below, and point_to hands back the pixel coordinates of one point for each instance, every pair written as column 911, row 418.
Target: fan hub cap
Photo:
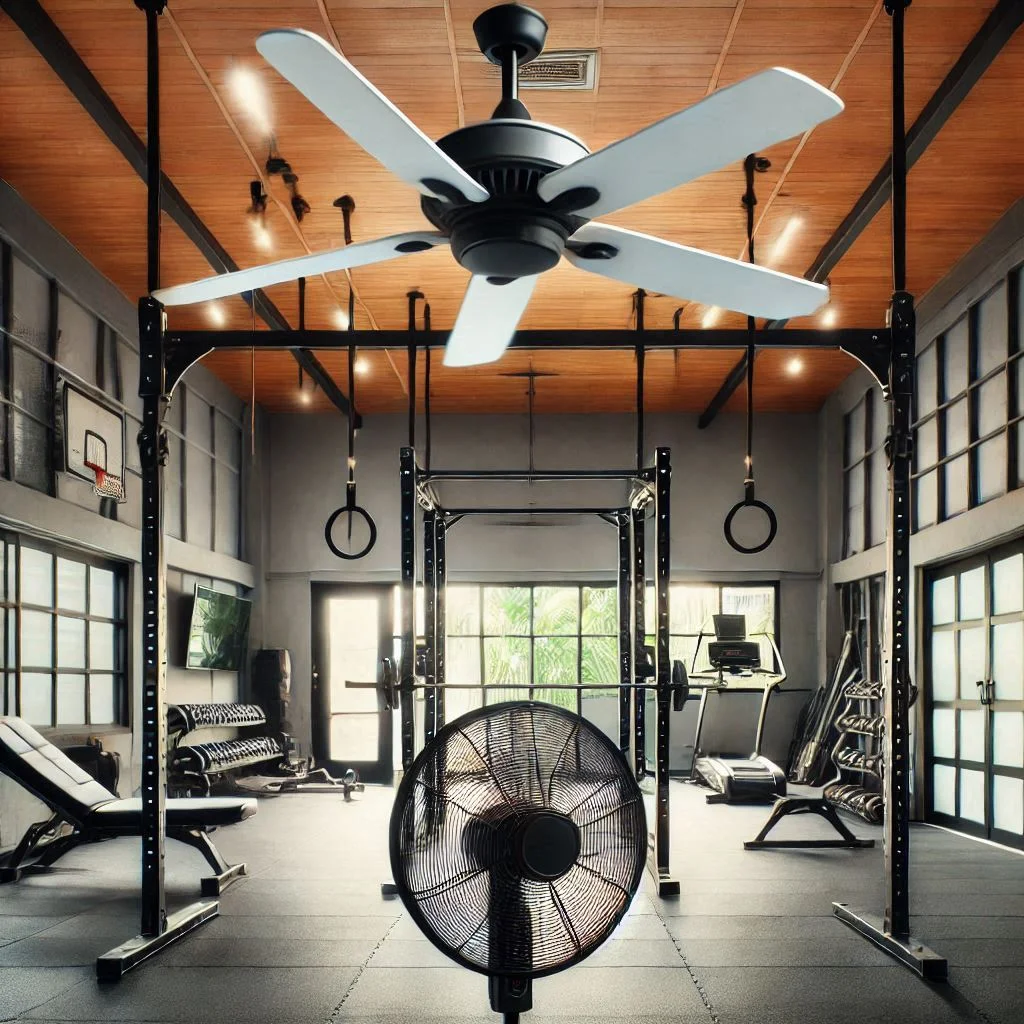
column 514, row 233
column 546, row 845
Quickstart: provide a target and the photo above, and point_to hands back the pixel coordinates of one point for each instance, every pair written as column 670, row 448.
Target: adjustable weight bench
column 93, row 813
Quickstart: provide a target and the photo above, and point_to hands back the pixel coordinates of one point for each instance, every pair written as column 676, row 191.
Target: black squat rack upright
column 887, row 353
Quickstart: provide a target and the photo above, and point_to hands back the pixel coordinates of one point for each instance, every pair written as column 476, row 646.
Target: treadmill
column 736, row 665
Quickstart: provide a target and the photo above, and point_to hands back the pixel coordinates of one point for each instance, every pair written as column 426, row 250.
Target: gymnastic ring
column 347, row 555
column 773, row 526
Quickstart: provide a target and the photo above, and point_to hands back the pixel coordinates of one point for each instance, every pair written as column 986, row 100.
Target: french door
column 352, row 631
column 974, row 684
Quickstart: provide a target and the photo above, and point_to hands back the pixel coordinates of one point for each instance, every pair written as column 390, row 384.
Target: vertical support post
column 407, row 670
column 430, row 623
column 638, row 298
column 626, row 634
column 663, row 668
column 413, row 297
column 639, row 693
column 891, row 932
column 441, row 608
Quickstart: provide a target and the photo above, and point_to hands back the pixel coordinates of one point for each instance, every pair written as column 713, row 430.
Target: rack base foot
column 909, row 951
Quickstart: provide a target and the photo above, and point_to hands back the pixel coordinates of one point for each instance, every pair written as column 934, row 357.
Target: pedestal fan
column 518, row 840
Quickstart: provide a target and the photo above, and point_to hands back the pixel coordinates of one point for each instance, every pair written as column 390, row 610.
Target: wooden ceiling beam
column 54, row 48
column 997, row 30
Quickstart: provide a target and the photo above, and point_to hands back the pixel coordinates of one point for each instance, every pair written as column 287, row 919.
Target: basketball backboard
column 94, row 440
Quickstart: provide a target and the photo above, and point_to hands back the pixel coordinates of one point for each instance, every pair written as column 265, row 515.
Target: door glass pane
column 972, row 594
column 992, row 468
column 36, row 577
column 462, row 660
column 972, row 795
column 1008, row 804
column 352, row 656
column 943, row 666
column 944, row 732
column 972, row 736
column 944, row 789
column 944, row 601
column 1008, row 660
column 972, row 661
column 70, row 700
column 1008, row 585
column 102, row 700
column 36, row 639
column 354, row 737
column 462, row 610
column 1008, row 738
column 70, row 585
column 556, row 611
column 955, row 477
column 71, row 642
column 37, row 698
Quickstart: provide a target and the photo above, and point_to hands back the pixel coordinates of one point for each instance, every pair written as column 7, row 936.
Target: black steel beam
column 54, row 48
column 999, row 27
column 193, row 344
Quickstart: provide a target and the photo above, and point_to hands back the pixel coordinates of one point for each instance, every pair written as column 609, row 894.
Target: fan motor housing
column 514, row 233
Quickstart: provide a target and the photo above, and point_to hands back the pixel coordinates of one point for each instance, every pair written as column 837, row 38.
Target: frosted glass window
column 1008, row 804
column 1008, row 585
column 462, row 611
column 101, row 645
column 944, row 732
column 956, row 359
column 944, row 789
column 927, row 504
column 955, row 475
column 70, row 642
column 172, row 488
column 198, row 425
column 992, row 468
column 70, row 699
column 972, row 795
column 972, row 735
column 855, row 425
column 1008, row 738
column 991, row 330
column 943, row 666
column 972, row 661
column 956, row 433
column 926, row 381
column 228, row 440
column 102, row 592
column 927, row 442
column 36, row 639
column 1008, row 660
column 37, row 698
column 991, row 405
column 102, row 704
column 228, row 507
column 71, row 585
column 76, row 342
column 462, row 662
column 198, row 497
column 855, row 509
column 944, row 601
column 972, row 594
column 36, row 577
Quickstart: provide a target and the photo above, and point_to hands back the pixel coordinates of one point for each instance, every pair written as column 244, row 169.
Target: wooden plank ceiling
column 655, row 57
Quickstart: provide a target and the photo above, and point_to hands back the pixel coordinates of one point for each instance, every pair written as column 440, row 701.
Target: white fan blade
column 357, row 255
column 363, row 112
column 749, row 116
column 487, row 320
column 662, row 266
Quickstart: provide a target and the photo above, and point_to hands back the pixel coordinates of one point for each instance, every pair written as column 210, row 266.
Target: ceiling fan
column 512, row 196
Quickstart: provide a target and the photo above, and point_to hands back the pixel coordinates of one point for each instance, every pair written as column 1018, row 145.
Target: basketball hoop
column 107, row 485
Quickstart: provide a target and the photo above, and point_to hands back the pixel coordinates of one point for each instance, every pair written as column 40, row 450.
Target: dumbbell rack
column 858, row 755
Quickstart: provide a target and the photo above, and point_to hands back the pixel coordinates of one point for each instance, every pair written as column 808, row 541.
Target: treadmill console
column 731, row 650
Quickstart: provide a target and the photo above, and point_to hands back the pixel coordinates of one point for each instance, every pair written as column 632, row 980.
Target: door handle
column 986, row 691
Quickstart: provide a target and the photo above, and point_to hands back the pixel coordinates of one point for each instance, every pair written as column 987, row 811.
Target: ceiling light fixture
column 215, row 314
column 362, row 366
column 341, row 320
column 785, row 239
column 829, row 317
column 711, row 316
column 305, row 395
column 795, row 366
column 251, row 95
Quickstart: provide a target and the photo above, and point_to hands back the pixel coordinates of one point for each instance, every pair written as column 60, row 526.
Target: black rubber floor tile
column 37, row 951
column 22, row 988
column 15, row 926
column 968, row 927
column 203, row 951
column 976, row 952
column 834, row 951
column 408, row 953
column 694, row 930
column 222, row 994
column 999, row 991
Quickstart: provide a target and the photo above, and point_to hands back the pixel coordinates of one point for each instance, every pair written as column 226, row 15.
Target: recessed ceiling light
column 711, row 315
column 362, row 366
column 341, row 321
column 829, row 317
column 215, row 314
column 795, row 366
column 785, row 239
column 251, row 95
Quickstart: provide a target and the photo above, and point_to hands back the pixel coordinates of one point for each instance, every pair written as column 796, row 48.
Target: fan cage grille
column 450, row 839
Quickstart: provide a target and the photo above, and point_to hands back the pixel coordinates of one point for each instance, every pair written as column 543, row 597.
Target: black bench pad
column 186, row 813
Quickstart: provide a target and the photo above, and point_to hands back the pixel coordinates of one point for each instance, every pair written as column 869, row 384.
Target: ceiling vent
column 557, row 69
